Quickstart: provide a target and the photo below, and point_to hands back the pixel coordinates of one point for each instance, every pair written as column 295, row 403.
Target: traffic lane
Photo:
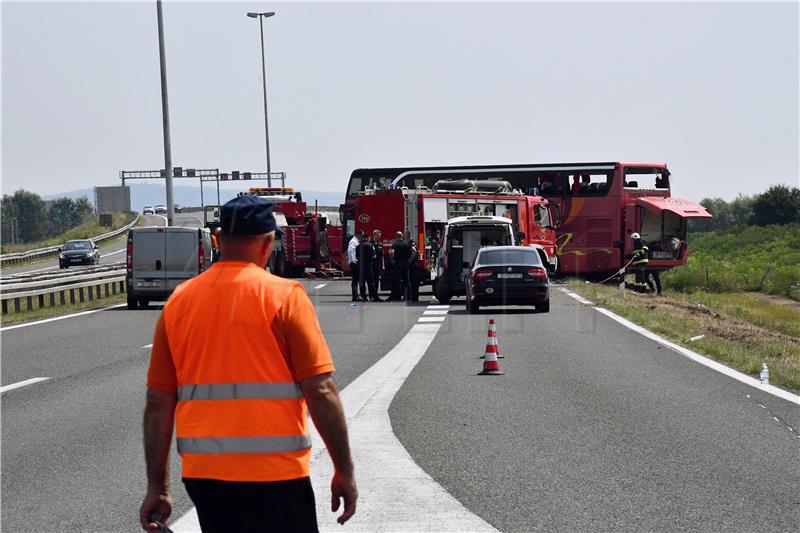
column 73, row 345
column 358, row 334
column 593, row 427
column 74, row 442
column 72, row 456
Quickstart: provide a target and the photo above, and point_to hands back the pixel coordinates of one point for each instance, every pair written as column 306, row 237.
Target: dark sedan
column 78, row 252
column 508, row 275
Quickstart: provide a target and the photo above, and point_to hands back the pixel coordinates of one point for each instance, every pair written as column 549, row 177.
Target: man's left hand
column 155, row 504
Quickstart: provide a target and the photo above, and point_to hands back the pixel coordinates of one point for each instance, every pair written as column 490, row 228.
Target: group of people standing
column 367, row 261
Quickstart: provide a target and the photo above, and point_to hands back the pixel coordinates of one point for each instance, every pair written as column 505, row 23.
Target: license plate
column 514, row 275
column 662, row 255
column 148, row 283
column 75, row 260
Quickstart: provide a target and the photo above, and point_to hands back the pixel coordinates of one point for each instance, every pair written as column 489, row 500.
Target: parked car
column 508, row 275
column 463, row 237
column 161, row 258
column 78, row 252
column 177, row 208
column 161, row 209
column 148, row 210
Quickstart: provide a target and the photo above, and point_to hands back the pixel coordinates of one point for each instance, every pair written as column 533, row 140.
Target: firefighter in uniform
column 639, row 262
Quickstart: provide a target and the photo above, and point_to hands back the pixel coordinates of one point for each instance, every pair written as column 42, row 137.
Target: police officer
column 639, row 262
column 366, row 257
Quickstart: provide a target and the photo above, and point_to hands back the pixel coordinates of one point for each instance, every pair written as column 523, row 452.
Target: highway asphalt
column 593, row 427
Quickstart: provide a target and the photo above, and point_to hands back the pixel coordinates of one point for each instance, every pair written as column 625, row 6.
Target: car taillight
column 129, row 256
column 538, row 273
column 482, row 274
column 201, row 257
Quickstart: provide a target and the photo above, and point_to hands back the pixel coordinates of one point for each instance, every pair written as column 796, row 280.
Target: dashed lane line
column 435, row 312
column 438, row 307
column 19, row 384
column 424, row 319
column 318, row 287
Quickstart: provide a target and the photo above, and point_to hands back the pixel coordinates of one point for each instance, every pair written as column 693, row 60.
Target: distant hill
column 152, row 193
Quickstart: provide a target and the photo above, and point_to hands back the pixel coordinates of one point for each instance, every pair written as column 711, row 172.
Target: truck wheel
column 133, row 304
column 297, row 271
column 543, row 307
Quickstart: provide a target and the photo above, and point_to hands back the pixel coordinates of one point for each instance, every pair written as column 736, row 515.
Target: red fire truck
column 308, row 239
column 601, row 204
column 424, row 211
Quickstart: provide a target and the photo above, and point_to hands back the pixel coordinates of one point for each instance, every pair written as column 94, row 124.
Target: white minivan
column 463, row 237
column 161, row 258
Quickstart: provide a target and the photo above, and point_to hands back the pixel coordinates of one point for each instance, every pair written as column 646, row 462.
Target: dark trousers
column 399, row 279
column 376, row 276
column 366, row 282
column 639, row 271
column 656, row 275
column 244, row 507
column 354, row 280
column 413, row 283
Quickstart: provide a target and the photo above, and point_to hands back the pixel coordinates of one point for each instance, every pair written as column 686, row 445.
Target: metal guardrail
column 63, row 294
column 70, row 281
column 20, row 257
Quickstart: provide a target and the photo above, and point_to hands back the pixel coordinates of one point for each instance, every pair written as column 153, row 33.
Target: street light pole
column 165, row 114
column 261, row 17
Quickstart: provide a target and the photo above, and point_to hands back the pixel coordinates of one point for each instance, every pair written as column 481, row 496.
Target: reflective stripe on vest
column 278, row 444
column 239, row 391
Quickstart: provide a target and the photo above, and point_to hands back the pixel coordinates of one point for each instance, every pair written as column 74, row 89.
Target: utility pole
column 165, row 114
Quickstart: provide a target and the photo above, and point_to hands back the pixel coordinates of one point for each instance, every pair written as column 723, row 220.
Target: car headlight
column 61, row 256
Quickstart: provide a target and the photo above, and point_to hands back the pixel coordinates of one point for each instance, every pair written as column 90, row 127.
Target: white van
column 463, row 237
column 161, row 258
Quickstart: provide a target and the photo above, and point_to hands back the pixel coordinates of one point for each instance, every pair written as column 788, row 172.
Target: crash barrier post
column 46, row 297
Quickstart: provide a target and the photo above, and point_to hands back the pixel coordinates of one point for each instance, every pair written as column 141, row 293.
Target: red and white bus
column 601, row 204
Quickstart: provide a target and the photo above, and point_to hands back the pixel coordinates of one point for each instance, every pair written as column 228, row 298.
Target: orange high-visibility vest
column 240, row 414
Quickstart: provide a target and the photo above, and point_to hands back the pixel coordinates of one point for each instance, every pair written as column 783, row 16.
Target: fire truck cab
column 423, row 212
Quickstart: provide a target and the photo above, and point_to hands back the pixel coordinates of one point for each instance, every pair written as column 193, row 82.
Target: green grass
column 90, row 228
column 742, row 330
column 37, row 313
column 742, row 259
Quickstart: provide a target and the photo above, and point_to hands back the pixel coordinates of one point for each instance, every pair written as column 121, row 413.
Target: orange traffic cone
column 492, row 340
column 491, row 366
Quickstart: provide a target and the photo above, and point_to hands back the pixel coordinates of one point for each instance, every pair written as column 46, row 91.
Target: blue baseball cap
column 248, row 215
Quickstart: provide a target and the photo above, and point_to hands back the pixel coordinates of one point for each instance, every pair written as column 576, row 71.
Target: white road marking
column 775, row 418
column 438, row 307
column 762, row 406
column 19, row 384
column 46, row 320
column 431, row 319
column 147, row 346
column 112, row 253
column 719, row 367
column 319, row 286
column 435, row 312
column 580, row 298
column 385, row 471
